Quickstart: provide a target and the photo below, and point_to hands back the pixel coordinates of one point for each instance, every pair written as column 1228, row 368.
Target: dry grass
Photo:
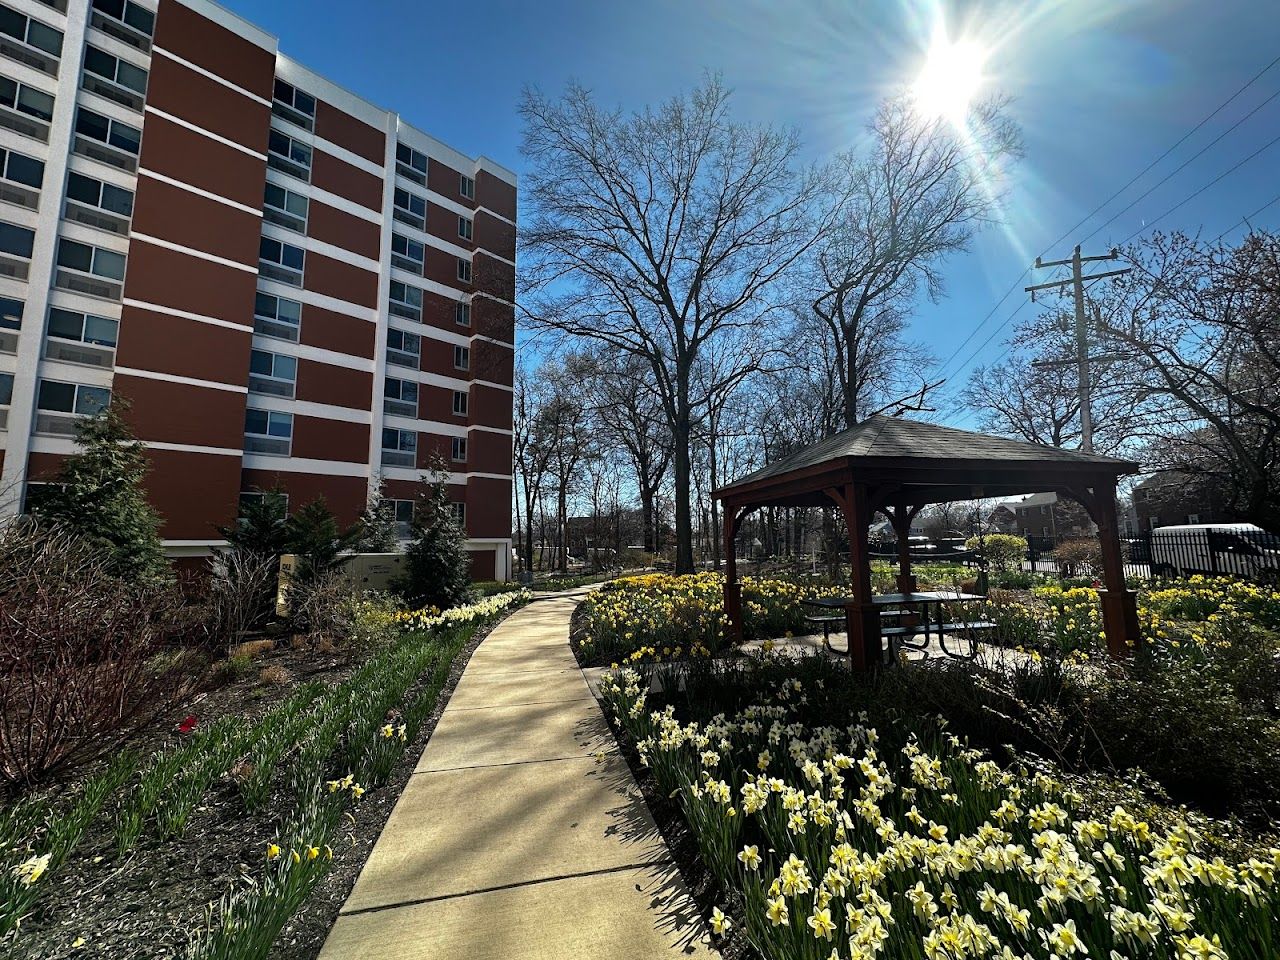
column 252, row 648
column 276, row 676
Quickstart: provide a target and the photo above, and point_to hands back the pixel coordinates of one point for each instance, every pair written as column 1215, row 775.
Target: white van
column 1231, row 549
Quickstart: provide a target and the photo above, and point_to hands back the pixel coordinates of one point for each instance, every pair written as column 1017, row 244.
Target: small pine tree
column 377, row 523
column 318, row 542
column 98, row 493
column 262, row 528
column 436, row 566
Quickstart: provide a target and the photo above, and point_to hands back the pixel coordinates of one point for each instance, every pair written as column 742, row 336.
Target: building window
column 281, row 261
column 95, row 193
column 11, row 313
column 400, row 397
column 466, row 186
column 285, row 208
column 126, row 11
column 459, row 513
column 288, row 155
column 293, row 105
column 459, row 452
column 1043, row 510
column 410, row 208
column 460, row 403
column 403, row 348
column 108, row 131
column 399, row 512
column 25, row 99
column 6, row 389
column 274, row 374
column 406, row 301
column 16, row 241
column 462, row 358
column 74, row 255
column 411, row 164
column 1193, row 518
column 78, row 398
column 31, row 32
column 276, row 317
column 462, row 314
column 464, row 270
column 465, row 228
column 1044, row 531
column 126, row 84
column 19, row 168
column 407, row 254
column 82, row 327
column 268, row 431
column 399, row 447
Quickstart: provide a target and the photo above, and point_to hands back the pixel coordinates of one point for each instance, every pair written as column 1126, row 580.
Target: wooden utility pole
column 1081, row 360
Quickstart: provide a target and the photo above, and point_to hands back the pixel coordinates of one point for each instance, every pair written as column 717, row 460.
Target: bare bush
column 241, row 593
column 1078, row 558
column 322, row 609
column 82, row 653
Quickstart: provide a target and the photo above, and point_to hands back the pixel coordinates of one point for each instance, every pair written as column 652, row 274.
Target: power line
column 1247, row 217
column 1181, row 203
column 1143, row 172
column 990, row 313
column 1195, row 156
column 1181, row 140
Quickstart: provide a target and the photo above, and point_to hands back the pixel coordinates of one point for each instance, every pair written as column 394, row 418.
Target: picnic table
column 902, row 608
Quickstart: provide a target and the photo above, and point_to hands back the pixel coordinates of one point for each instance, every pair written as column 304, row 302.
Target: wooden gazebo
column 897, row 467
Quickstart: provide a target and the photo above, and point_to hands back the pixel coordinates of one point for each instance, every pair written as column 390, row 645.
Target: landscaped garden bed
column 240, row 832
column 890, row 790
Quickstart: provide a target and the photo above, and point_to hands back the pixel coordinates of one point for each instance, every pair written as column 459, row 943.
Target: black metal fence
column 1169, row 552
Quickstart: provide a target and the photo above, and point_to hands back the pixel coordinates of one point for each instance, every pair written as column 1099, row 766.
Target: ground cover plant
column 660, row 616
column 269, row 794
column 852, row 841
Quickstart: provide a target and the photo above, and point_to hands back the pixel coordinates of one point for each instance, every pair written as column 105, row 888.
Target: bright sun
column 950, row 78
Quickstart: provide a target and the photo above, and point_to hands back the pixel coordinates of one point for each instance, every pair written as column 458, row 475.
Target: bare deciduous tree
column 914, row 200
column 1199, row 320
column 1035, row 395
column 658, row 233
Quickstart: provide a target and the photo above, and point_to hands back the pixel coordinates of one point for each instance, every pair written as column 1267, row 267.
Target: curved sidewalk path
column 511, row 840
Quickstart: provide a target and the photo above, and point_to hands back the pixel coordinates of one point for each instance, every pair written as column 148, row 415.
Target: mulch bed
column 148, row 904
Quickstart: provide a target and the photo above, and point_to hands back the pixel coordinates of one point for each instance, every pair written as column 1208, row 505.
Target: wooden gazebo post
column 1119, row 603
column 862, row 620
column 732, row 589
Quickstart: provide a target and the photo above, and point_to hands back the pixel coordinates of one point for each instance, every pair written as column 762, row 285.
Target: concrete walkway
column 512, row 841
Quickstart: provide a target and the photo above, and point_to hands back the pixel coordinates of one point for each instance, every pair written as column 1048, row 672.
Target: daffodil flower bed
column 296, row 773
column 830, row 844
column 432, row 618
column 668, row 617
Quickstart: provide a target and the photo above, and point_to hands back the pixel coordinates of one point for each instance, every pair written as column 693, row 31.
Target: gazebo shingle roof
column 884, row 438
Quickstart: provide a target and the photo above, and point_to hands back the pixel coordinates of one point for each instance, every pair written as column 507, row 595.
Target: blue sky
column 1101, row 88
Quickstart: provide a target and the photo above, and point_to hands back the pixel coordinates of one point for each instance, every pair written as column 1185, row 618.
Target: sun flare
column 951, row 77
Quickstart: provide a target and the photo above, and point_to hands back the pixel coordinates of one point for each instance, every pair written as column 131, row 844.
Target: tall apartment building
column 291, row 285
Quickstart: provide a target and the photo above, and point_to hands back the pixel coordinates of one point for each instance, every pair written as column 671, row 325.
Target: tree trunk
column 684, row 518
column 562, row 511
column 648, row 535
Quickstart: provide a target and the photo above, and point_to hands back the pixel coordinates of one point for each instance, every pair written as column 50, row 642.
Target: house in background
column 1172, row 497
column 1047, row 516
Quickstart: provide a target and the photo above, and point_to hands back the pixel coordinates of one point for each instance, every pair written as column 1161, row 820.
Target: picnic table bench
column 904, row 607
